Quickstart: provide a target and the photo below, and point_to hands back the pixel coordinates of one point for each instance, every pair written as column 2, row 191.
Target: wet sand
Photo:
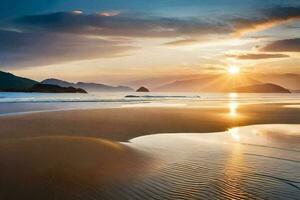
column 78, row 154
column 253, row 162
column 65, row 167
column 122, row 124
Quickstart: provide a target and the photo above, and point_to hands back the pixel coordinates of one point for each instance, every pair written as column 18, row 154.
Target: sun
column 233, row 70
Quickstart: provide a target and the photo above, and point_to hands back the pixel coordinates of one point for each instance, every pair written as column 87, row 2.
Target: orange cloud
column 257, row 56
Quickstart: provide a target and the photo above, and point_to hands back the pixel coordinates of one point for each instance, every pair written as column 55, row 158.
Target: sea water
column 11, row 102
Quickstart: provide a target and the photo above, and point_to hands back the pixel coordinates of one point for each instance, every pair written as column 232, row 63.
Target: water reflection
column 241, row 163
column 233, row 95
column 234, row 133
column 233, row 105
column 234, row 169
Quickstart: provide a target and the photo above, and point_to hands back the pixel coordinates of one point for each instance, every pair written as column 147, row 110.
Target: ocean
column 12, row 103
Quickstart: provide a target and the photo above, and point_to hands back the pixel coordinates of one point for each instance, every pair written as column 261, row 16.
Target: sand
column 78, row 155
column 65, row 167
column 122, row 124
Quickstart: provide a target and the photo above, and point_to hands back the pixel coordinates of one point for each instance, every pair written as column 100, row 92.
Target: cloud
column 120, row 25
column 110, row 13
column 258, row 56
column 182, row 42
column 21, row 49
column 115, row 23
column 45, row 39
column 266, row 18
column 288, row 45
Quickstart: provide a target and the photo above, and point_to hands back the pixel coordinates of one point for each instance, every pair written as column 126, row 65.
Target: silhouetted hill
column 10, row 81
column 45, row 88
column 208, row 83
column 91, row 87
column 290, row 81
column 262, row 88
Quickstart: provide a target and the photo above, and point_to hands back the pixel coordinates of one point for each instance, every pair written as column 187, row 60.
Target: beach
column 152, row 153
column 149, row 100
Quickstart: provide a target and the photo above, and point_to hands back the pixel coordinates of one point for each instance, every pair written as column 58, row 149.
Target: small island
column 143, row 89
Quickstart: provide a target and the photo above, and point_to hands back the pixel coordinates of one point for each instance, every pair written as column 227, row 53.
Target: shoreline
column 153, row 105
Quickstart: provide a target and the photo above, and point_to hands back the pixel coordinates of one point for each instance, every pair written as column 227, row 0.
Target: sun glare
column 233, row 70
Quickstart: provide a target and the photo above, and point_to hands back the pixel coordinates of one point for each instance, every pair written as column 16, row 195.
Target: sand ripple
column 258, row 164
column 255, row 162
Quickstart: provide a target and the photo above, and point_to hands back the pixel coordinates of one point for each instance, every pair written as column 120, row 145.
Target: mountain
column 262, row 88
column 10, row 81
column 290, row 81
column 155, row 82
column 90, row 87
column 208, row 83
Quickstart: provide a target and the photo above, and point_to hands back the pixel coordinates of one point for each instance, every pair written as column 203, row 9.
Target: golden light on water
column 233, row 95
column 233, row 106
column 234, row 133
column 232, row 70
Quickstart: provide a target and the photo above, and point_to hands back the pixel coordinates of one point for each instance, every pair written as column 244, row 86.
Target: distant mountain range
column 224, row 83
column 204, row 83
column 217, row 82
column 90, row 87
column 208, row 83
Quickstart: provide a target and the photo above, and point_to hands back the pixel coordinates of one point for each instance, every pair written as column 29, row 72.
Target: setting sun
column 233, row 70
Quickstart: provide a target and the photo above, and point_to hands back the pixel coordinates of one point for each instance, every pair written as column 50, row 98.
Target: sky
column 118, row 41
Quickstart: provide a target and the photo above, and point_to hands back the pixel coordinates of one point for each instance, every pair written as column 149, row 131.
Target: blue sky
column 181, row 7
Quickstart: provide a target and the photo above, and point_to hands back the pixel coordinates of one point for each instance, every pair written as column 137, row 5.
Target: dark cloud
column 265, row 18
column 120, row 25
column 18, row 49
column 144, row 26
column 288, row 45
column 258, row 56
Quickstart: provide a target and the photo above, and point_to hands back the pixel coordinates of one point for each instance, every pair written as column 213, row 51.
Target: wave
column 163, row 96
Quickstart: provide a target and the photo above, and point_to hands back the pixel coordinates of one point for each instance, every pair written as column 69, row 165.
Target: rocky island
column 143, row 89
